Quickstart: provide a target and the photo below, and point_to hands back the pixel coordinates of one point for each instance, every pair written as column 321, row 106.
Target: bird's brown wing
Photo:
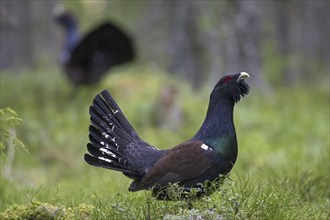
column 185, row 161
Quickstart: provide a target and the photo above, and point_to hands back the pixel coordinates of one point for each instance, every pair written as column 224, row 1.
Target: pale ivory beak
column 243, row 76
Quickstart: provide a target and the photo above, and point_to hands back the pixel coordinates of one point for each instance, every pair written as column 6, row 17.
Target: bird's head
column 231, row 87
column 64, row 17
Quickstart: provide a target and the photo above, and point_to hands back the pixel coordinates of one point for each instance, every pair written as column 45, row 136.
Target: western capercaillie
column 85, row 59
column 211, row 152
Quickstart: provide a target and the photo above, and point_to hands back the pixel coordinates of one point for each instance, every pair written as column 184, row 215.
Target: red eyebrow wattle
column 227, row 79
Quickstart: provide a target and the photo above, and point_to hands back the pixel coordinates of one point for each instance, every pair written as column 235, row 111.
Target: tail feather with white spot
column 114, row 144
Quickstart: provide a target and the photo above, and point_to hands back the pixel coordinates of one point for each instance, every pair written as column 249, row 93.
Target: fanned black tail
column 114, row 144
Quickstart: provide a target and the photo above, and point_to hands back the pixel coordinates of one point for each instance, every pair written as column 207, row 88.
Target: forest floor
column 282, row 170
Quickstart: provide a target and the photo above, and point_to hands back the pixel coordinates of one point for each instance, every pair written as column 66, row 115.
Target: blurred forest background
column 280, row 42
column 183, row 48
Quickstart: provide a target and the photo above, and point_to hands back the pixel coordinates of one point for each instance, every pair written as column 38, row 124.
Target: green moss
column 42, row 211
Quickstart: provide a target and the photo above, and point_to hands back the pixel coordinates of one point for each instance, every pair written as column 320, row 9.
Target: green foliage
column 8, row 121
column 282, row 171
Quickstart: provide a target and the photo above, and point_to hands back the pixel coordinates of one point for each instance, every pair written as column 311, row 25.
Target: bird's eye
column 226, row 80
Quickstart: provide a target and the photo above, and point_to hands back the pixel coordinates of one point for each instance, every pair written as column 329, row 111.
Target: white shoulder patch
column 205, row 147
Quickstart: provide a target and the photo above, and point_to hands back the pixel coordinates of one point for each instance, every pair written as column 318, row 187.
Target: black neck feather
column 218, row 130
column 219, row 120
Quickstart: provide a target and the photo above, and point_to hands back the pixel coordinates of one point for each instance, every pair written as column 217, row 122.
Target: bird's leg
column 189, row 205
column 148, row 208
